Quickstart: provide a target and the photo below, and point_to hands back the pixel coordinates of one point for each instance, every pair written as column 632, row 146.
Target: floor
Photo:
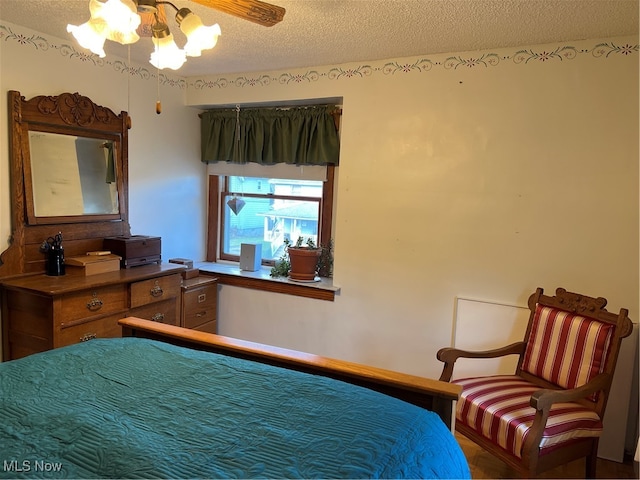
column 484, row 465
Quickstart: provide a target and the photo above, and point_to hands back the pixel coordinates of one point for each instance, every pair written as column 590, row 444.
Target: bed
column 166, row 402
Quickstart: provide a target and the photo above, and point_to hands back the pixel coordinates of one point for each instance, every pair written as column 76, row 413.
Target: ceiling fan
column 125, row 21
column 255, row 11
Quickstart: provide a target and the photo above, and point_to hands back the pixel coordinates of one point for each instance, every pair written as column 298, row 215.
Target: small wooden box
column 135, row 250
column 92, row 264
column 190, row 273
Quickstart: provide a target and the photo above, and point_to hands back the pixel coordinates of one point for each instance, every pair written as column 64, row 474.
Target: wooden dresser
column 40, row 312
column 200, row 304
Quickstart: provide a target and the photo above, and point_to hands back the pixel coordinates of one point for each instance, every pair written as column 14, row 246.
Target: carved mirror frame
column 68, row 114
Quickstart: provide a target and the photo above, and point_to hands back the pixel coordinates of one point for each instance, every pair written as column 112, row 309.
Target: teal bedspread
column 135, row 408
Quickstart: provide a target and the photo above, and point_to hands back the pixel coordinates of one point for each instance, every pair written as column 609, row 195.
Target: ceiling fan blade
column 255, row 11
column 147, row 19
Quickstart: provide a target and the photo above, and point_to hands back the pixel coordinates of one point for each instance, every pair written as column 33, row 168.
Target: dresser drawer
column 163, row 312
column 199, row 305
column 209, row 327
column 82, row 331
column 155, row 290
column 91, row 302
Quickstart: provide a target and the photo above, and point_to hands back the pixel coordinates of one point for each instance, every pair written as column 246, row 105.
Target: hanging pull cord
column 237, row 145
column 158, row 102
column 237, row 123
column 129, row 79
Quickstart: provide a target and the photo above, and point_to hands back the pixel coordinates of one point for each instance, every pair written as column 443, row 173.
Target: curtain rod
column 337, row 111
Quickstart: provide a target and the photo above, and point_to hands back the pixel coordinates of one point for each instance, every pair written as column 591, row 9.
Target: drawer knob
column 158, row 317
column 201, row 314
column 88, row 336
column 156, row 291
column 95, row 303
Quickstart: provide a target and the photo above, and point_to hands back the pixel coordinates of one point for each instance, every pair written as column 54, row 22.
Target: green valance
column 300, row 135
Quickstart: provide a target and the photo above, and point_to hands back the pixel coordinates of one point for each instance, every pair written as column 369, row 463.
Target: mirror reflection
column 72, row 175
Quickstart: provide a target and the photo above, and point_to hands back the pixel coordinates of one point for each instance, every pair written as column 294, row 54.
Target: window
column 264, row 182
column 266, row 211
column 287, row 209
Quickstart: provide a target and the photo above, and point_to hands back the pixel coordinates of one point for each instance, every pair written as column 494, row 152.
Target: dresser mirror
column 72, row 157
column 69, row 173
column 72, row 175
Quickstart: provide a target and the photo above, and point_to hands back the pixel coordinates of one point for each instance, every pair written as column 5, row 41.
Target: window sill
column 230, row 274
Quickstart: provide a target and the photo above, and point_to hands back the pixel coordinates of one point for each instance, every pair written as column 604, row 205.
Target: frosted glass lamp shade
column 121, row 17
column 90, row 35
column 199, row 36
column 167, row 54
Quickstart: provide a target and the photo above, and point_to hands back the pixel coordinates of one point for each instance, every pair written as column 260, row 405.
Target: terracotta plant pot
column 304, row 263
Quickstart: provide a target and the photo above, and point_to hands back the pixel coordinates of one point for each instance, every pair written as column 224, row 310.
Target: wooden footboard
column 427, row 393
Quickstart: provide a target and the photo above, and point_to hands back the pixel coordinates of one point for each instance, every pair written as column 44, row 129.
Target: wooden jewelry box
column 135, row 250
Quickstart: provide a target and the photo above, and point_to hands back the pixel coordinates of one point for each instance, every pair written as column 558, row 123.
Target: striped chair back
column 566, row 349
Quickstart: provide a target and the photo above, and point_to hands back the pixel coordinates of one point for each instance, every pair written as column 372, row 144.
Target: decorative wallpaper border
column 331, row 72
column 66, row 50
column 391, row 67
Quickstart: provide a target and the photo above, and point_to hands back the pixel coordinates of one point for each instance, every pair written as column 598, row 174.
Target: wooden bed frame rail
column 434, row 395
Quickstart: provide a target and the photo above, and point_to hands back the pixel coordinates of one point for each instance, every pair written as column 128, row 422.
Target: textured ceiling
column 326, row 32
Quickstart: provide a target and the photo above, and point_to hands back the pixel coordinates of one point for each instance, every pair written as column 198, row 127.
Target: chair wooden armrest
column 449, row 356
column 543, row 399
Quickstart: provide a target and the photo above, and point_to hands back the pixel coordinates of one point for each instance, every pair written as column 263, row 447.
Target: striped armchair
column 549, row 412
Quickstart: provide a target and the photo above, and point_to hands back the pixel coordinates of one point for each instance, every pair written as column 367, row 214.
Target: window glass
column 266, row 211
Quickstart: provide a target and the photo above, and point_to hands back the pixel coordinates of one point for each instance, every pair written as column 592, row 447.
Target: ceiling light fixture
column 118, row 20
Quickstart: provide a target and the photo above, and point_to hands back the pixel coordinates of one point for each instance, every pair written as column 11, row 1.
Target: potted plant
column 302, row 261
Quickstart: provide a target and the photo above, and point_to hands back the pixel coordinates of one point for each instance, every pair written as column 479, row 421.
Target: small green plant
column 325, row 261
column 299, row 243
column 282, row 265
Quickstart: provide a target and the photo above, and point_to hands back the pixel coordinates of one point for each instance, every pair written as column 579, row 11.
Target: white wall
column 483, row 174
column 166, row 178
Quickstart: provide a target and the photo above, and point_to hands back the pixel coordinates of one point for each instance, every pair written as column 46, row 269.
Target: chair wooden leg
column 592, row 460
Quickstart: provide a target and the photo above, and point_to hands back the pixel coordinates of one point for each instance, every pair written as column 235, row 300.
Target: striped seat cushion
column 566, row 349
column 497, row 407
